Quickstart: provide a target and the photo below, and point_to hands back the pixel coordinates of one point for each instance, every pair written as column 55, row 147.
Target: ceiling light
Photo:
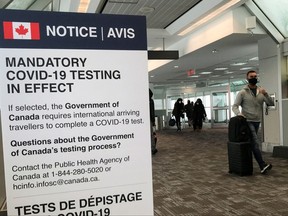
column 238, row 63
column 194, row 76
column 221, row 68
column 83, row 6
column 176, row 66
column 206, row 72
column 208, row 17
column 215, row 51
column 228, row 72
column 246, row 68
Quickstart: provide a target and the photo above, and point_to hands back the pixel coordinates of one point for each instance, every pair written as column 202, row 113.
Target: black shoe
column 265, row 168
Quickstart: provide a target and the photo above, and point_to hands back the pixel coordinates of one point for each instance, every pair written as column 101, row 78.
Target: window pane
column 276, row 11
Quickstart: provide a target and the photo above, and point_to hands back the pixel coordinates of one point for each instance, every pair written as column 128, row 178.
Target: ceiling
column 161, row 15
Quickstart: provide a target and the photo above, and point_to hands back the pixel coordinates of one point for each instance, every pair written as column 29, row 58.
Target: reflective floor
column 190, row 176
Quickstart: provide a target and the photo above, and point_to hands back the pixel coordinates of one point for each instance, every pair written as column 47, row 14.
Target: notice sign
column 75, row 114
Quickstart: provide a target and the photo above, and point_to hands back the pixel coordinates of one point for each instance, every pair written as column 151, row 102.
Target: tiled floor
column 190, row 175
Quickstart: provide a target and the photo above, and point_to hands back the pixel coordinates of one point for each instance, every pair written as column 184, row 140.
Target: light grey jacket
column 252, row 107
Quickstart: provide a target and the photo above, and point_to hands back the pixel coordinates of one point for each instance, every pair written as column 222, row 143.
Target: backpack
column 238, row 129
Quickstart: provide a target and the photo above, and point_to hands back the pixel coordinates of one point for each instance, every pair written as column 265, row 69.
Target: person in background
column 189, row 111
column 152, row 123
column 199, row 115
column 178, row 112
column 251, row 99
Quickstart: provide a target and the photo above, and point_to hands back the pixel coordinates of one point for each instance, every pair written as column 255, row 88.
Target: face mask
column 253, row 81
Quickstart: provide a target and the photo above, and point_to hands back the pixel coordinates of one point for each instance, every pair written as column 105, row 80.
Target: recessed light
column 228, row 72
column 238, row 63
column 206, row 72
column 223, row 68
column 246, row 68
column 176, row 66
column 194, row 76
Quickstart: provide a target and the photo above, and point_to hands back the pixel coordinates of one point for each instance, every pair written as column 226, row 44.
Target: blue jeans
column 254, row 126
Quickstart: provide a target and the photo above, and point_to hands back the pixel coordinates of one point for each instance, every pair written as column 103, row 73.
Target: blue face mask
column 253, row 81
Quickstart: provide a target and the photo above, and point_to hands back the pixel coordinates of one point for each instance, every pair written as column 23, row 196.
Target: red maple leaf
column 21, row 30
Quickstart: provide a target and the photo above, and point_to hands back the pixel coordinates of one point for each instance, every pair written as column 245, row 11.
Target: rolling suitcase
column 240, row 158
column 239, row 147
column 238, row 130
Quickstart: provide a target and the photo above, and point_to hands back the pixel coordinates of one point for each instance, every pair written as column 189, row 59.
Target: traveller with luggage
column 251, row 99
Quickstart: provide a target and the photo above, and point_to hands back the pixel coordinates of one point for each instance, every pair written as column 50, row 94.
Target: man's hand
column 263, row 91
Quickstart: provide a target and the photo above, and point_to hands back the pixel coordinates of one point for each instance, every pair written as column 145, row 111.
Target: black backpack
column 238, row 129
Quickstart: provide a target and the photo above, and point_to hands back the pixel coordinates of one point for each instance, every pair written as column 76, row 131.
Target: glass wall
column 217, row 102
column 220, row 108
column 204, row 96
column 160, row 104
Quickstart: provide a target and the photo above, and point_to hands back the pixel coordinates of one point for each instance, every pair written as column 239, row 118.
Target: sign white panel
column 76, row 130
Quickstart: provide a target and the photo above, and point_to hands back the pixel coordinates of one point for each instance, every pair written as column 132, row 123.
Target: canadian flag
column 21, row 30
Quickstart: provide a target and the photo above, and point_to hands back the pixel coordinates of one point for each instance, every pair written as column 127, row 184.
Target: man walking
column 251, row 99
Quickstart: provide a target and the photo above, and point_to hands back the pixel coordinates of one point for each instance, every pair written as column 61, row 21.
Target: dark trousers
column 197, row 124
column 178, row 122
column 255, row 142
